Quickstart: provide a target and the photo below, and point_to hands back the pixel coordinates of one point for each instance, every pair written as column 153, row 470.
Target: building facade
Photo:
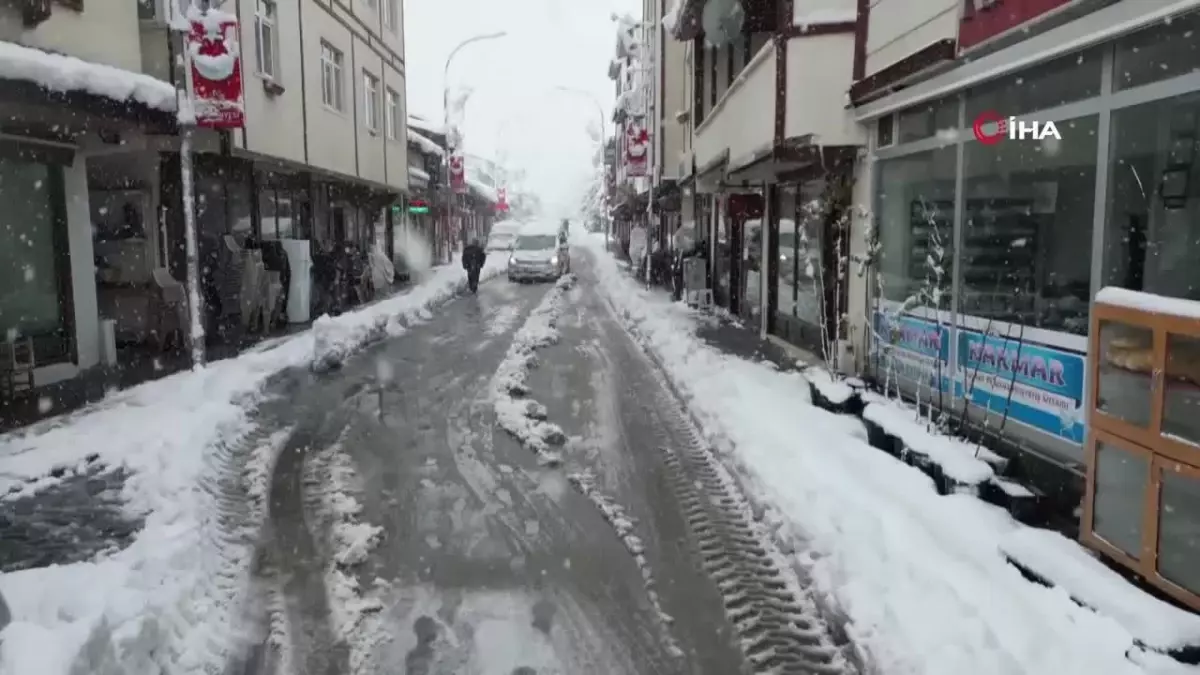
column 769, row 155
column 321, row 157
column 1029, row 229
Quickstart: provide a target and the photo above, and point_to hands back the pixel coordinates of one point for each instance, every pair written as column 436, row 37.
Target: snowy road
column 408, row 529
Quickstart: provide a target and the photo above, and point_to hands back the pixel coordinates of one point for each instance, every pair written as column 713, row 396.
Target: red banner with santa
column 637, row 147
column 214, row 69
column 458, row 174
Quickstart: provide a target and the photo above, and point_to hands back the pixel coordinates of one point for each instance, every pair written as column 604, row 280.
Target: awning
column 796, row 159
column 34, row 76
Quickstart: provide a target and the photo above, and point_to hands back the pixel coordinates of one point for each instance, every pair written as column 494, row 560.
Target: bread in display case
column 1142, row 506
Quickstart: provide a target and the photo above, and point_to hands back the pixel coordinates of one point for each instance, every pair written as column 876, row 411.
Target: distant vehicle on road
column 536, row 256
column 502, row 235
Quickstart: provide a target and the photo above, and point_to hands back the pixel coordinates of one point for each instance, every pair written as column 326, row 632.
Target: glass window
column 371, row 102
column 332, row 87
column 1152, row 236
column 930, row 119
column 1028, row 228
column 810, row 218
column 267, row 213
column 915, row 216
column 241, row 204
column 393, row 120
column 788, row 263
column 391, row 14
column 285, row 216
column 29, row 269
column 1161, row 52
column 268, row 39
column 1066, row 80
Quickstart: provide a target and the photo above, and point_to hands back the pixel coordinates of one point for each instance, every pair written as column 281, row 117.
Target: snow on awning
column 67, row 74
column 417, row 173
column 482, row 190
column 427, row 146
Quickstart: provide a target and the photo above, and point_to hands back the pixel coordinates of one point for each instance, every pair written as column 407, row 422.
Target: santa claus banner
column 501, row 199
column 458, row 176
column 637, row 148
column 214, row 71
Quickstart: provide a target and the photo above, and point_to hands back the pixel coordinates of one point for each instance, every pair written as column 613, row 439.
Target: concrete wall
column 899, row 28
column 674, row 100
column 104, row 32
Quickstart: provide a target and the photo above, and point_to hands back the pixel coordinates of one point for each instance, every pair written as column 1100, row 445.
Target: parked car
column 536, row 256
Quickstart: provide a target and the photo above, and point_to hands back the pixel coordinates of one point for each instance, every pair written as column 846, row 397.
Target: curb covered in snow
column 917, row 589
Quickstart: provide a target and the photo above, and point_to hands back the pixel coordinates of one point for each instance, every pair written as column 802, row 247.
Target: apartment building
column 91, row 190
column 767, row 137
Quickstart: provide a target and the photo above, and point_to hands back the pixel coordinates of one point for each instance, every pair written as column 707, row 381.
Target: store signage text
column 990, row 128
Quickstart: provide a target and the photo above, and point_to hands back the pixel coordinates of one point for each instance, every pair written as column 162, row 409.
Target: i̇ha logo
column 991, row 127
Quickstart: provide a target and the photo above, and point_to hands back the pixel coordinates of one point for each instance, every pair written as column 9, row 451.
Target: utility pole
column 187, row 123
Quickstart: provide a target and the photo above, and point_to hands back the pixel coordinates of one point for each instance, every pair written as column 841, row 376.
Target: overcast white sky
column 514, row 115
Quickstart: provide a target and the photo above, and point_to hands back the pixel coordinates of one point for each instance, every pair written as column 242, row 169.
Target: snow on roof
column 418, row 122
column 426, row 145
column 57, row 72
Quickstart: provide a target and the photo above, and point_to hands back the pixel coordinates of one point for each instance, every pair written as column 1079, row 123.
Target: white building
column 766, row 132
column 90, row 200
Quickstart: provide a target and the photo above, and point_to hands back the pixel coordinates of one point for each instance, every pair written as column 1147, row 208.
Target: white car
column 502, row 235
column 536, row 257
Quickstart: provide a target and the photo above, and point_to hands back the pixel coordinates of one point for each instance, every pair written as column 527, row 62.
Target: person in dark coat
column 473, row 258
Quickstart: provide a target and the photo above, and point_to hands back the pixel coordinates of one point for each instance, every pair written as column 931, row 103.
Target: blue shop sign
column 1041, row 386
column 919, row 348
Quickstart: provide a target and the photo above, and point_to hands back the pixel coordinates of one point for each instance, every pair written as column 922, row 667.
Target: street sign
column 418, row 206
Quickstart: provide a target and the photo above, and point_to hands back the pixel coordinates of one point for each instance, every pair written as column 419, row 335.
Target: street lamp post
column 603, row 146
column 450, row 149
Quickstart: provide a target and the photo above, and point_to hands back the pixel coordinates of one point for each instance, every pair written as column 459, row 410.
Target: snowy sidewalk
column 920, row 577
column 178, row 463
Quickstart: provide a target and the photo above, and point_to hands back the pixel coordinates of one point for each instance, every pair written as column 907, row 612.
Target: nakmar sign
column 1041, row 387
column 917, row 351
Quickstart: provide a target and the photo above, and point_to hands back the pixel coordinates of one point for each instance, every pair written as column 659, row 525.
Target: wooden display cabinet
column 1142, row 506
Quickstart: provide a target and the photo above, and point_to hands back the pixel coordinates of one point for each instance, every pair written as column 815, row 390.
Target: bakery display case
column 1142, row 507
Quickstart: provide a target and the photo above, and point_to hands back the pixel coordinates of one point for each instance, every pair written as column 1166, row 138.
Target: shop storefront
column 991, row 246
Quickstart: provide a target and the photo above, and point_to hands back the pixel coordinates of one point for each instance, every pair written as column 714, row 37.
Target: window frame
column 266, row 17
column 391, row 15
column 372, row 101
column 333, row 78
column 391, row 119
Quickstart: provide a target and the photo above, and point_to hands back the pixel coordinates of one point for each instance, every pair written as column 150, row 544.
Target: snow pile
column 806, row 19
column 958, row 459
column 518, row 414
column 355, row 610
column 834, row 390
column 335, row 338
column 623, row 524
column 65, row 74
column 169, row 593
column 919, row 576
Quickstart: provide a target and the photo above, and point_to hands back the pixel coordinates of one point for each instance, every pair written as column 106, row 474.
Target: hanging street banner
column 458, row 176
column 214, row 69
column 637, row 147
column 501, row 199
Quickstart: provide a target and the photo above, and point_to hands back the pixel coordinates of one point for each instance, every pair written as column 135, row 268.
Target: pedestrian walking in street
column 473, row 258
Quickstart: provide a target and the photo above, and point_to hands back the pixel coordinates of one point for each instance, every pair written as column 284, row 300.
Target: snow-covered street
column 555, row 478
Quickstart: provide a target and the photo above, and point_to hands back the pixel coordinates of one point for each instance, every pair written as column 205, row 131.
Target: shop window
column 34, row 274
column 1152, row 235
column 930, row 119
column 1065, row 80
column 915, row 216
column 1158, row 53
column 241, row 204
column 1027, row 211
